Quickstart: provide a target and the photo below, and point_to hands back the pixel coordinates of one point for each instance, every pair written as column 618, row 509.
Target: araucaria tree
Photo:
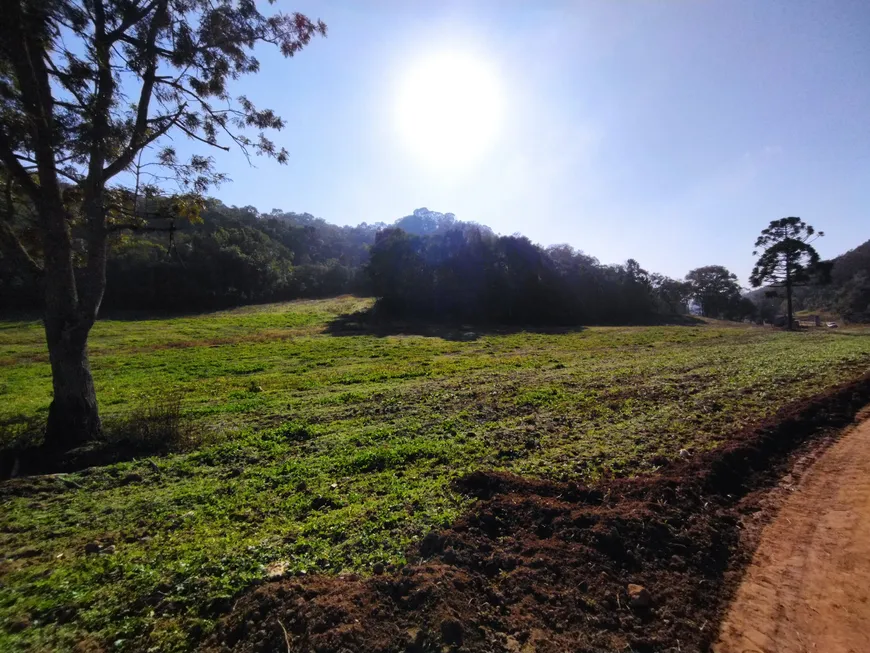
column 787, row 258
column 85, row 87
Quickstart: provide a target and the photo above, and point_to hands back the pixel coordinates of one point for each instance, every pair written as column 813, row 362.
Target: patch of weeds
column 294, row 432
column 157, row 427
column 540, row 397
column 380, row 458
column 343, row 398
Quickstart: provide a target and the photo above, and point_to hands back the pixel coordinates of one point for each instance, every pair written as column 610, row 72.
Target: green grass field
column 328, row 453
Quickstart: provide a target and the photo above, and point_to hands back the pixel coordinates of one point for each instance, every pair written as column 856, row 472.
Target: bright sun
column 449, row 109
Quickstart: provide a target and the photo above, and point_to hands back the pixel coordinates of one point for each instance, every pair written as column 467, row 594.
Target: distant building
column 803, row 321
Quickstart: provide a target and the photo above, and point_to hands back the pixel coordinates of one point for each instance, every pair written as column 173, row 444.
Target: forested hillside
column 849, row 292
column 847, row 295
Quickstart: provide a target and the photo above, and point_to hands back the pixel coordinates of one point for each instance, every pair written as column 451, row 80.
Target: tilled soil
column 537, row 566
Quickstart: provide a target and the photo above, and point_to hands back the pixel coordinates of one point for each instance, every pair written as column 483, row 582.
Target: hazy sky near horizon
column 670, row 131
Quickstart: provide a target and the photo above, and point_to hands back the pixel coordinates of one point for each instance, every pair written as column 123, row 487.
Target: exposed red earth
column 808, row 587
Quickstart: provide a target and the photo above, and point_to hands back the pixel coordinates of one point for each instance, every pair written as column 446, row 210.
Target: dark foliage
column 433, row 267
column 238, row 257
column 847, row 294
column 845, row 291
column 715, row 290
column 472, row 275
column 788, row 259
column 233, row 256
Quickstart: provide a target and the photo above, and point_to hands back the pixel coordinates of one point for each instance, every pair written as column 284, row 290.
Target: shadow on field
column 156, row 428
column 369, row 323
column 373, row 323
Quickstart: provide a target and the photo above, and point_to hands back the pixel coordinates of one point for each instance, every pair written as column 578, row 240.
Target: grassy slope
column 344, row 459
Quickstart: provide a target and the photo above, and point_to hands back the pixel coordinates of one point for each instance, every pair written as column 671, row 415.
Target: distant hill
column 848, row 294
column 423, row 222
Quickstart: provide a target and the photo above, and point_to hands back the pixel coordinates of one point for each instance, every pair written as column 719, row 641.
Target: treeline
column 237, row 256
column 474, row 275
column 233, row 256
column 427, row 265
column 229, row 257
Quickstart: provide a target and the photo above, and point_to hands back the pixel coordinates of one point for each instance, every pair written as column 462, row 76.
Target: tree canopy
column 786, row 254
column 87, row 89
column 716, row 291
column 473, row 275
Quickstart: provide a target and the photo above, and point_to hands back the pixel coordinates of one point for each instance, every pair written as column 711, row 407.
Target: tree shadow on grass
column 371, row 322
column 156, row 428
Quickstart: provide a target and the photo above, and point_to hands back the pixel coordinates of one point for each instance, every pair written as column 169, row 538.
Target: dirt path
column 808, row 587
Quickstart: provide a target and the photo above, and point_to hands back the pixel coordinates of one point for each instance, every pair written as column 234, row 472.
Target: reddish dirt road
column 808, row 587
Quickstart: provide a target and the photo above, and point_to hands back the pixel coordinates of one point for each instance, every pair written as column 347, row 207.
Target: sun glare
column 449, row 109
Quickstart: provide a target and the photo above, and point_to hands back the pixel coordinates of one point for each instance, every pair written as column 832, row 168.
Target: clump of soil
column 537, row 566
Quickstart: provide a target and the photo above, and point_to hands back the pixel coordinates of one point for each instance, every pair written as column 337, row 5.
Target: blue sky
column 669, row 131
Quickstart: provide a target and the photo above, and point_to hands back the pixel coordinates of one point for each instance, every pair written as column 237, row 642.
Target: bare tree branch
column 66, row 82
column 199, row 138
column 138, row 139
column 9, row 239
column 129, row 154
column 14, row 168
column 131, row 19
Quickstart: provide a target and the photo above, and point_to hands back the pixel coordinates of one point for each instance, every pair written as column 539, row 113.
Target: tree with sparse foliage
column 87, row 87
column 788, row 259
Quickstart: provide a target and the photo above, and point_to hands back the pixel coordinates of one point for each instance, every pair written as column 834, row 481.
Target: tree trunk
column 73, row 417
column 788, row 296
